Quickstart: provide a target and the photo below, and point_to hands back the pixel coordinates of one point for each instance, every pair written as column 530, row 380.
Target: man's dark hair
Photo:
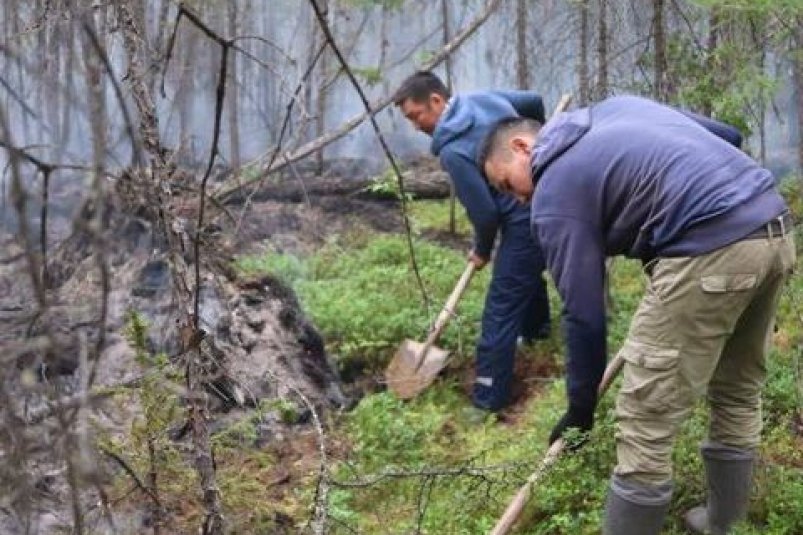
column 419, row 87
column 500, row 133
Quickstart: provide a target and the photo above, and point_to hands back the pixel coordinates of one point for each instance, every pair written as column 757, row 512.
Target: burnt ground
column 265, row 343
column 301, row 227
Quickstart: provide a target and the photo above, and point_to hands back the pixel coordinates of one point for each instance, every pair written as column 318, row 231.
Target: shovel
column 415, row 365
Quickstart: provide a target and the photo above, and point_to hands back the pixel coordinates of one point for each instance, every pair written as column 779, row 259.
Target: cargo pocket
column 718, row 284
column 721, row 301
column 650, row 381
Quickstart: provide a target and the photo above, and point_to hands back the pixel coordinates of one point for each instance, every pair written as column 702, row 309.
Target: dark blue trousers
column 516, row 305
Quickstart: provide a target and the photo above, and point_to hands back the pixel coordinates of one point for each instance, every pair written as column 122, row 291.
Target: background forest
column 216, row 231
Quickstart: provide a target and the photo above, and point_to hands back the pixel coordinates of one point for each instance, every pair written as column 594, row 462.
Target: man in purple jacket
column 632, row 177
column 516, row 304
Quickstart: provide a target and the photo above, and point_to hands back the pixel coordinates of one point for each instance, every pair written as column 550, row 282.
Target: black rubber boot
column 633, row 509
column 729, row 472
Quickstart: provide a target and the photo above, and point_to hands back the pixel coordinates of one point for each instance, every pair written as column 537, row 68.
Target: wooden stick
column 563, row 103
column 516, row 505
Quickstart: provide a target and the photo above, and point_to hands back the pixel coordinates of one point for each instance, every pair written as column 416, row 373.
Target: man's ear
column 436, row 99
column 520, row 144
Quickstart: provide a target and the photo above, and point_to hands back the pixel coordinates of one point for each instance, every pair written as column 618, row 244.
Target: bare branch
column 389, row 155
column 285, row 123
column 132, row 474
column 261, row 163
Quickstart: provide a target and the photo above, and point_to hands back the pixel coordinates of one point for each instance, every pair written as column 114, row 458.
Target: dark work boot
column 633, row 509
column 728, row 472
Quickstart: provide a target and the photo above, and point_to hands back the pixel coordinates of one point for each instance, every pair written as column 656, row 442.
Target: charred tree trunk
column 522, row 72
column 233, row 101
column 762, row 97
column 323, row 86
column 448, row 67
column 66, row 102
column 421, row 185
column 155, row 186
column 582, row 67
column 602, row 51
column 797, row 89
column 185, row 91
column 159, row 38
column 659, row 90
column 711, row 50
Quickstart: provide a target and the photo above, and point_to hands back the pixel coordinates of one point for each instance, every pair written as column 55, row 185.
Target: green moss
column 366, row 301
column 435, row 215
column 429, row 432
column 426, row 455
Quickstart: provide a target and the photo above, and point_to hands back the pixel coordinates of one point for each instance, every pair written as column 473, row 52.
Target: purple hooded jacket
column 632, row 177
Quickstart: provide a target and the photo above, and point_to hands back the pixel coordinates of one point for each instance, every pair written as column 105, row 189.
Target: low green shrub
column 423, row 465
column 366, row 301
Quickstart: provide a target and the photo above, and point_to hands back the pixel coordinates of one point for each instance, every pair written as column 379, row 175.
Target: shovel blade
column 401, row 375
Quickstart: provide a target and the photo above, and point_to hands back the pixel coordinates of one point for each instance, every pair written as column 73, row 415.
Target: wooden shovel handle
column 516, row 505
column 447, row 312
column 563, row 103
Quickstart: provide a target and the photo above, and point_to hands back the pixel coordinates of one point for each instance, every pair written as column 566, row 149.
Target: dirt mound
column 262, row 345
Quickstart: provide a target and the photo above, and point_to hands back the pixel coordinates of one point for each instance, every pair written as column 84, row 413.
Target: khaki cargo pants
column 703, row 327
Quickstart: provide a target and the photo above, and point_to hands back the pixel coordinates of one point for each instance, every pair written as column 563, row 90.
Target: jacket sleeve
column 576, row 260
column 526, row 103
column 474, row 193
column 722, row 130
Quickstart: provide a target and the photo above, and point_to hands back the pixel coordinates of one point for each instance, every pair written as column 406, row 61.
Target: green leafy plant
column 366, row 301
column 371, row 75
column 387, row 185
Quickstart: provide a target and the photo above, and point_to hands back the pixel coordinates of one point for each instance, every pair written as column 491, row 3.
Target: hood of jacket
column 557, row 136
column 456, row 120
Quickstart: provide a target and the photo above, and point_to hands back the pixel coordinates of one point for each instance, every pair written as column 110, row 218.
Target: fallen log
column 263, row 163
column 419, row 184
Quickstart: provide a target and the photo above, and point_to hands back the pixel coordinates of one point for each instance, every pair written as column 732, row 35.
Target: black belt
column 774, row 228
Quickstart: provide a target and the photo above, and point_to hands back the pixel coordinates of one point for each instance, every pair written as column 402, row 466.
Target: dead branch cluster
column 175, row 207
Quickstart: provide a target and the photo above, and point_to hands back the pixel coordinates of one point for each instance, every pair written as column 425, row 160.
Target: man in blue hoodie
column 632, row 177
column 516, row 304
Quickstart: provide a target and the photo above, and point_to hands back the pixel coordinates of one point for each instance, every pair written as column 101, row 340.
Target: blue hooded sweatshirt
column 462, row 126
column 632, row 177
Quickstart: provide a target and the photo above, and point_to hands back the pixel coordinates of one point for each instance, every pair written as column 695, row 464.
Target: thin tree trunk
column 309, row 87
column 67, row 99
column 320, row 108
column 522, row 72
column 140, row 91
column 797, row 89
column 659, row 83
column 185, row 95
column 53, row 97
column 602, row 50
column 582, row 67
column 711, row 48
column 448, row 66
column 158, row 40
column 265, row 164
column 233, row 102
column 762, row 100
column 40, row 88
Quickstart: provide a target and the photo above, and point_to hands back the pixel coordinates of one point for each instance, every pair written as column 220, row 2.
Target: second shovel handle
column 448, row 310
